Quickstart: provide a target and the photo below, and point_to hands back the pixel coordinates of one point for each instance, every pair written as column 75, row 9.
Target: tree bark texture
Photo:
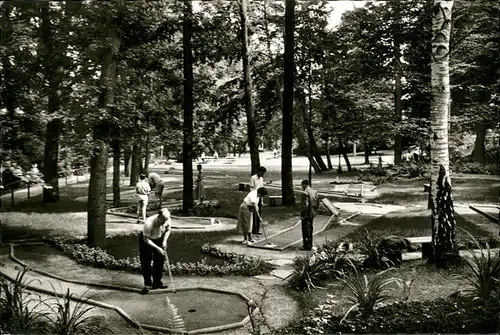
column 253, row 141
column 398, row 140
column 479, row 153
column 328, row 157
column 287, row 193
column 343, row 151
column 96, row 219
column 126, row 161
column 310, row 134
column 301, row 139
column 135, row 164
column 148, row 139
column 116, row 170
column 53, row 71
column 440, row 198
column 187, row 128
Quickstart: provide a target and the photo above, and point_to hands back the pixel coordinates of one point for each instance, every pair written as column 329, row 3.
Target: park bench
column 244, row 187
column 274, row 200
column 426, row 242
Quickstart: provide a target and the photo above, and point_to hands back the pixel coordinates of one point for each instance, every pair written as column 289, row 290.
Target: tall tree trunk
column 287, row 193
column 126, row 161
column 116, row 169
column 479, row 153
column 367, row 153
column 301, row 139
column 54, row 73
column 312, row 141
column 148, row 139
column 253, row 141
column 96, row 220
column 328, row 157
column 187, row 146
column 343, row 151
column 135, row 164
column 396, row 33
column 440, row 197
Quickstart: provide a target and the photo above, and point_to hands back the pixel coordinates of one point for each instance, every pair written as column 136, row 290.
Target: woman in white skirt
column 249, row 207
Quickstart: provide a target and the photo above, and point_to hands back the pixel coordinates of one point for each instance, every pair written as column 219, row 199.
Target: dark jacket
column 309, row 208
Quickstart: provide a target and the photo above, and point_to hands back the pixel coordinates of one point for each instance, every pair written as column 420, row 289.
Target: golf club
column 167, row 262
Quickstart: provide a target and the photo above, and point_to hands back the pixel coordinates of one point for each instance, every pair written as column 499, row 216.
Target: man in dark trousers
column 309, row 209
column 153, row 247
column 156, row 184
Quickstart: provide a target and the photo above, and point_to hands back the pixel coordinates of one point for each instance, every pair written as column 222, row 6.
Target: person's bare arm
column 167, row 233
column 151, row 243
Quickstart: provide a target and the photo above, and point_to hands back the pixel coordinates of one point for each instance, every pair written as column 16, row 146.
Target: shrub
column 21, row 311
column 366, row 294
column 310, row 271
column 476, row 168
column 75, row 320
column 418, row 317
column 482, row 274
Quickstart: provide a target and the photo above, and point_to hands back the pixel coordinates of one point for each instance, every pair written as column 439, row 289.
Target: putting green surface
column 199, row 309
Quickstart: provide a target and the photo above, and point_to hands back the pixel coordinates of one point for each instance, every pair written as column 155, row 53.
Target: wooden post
column 66, row 179
column 12, row 196
column 29, row 197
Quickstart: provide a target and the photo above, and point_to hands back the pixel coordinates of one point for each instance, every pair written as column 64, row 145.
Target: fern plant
column 364, row 293
column 174, row 320
column 482, row 273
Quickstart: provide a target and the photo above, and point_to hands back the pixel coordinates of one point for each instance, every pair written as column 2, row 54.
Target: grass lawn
column 415, row 224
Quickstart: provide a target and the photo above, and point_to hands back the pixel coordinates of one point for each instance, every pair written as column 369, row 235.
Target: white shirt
column 252, row 198
column 256, row 182
column 152, row 232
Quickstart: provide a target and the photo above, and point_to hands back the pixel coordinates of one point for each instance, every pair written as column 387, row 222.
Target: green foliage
column 365, row 294
column 70, row 320
column 20, row 310
column 419, row 317
column 483, row 274
column 235, row 264
column 325, row 263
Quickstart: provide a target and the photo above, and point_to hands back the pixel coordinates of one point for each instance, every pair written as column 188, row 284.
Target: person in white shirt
column 153, row 247
column 256, row 181
column 156, row 183
column 249, row 208
column 142, row 189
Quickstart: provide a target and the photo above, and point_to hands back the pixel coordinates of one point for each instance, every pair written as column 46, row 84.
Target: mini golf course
column 197, row 309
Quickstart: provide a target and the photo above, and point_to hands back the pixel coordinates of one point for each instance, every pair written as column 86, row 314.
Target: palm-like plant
column 73, row 320
column 482, row 273
column 307, row 273
column 20, row 310
column 366, row 293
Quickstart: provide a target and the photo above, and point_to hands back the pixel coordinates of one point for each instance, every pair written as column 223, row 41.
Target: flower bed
column 234, row 265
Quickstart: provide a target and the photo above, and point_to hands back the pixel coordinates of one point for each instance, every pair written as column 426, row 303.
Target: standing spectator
column 142, row 189
column 216, row 156
column 156, row 184
column 275, row 152
column 153, row 247
column 200, row 187
column 257, row 181
column 248, row 208
column 309, row 209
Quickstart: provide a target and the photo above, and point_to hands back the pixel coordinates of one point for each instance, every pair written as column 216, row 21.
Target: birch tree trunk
column 440, row 197
column 253, row 142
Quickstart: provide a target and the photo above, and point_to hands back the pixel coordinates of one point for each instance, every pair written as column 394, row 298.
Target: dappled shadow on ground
column 414, row 224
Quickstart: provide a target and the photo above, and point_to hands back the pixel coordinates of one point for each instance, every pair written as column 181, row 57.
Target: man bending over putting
column 153, row 247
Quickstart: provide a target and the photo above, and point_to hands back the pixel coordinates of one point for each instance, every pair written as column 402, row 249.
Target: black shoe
column 304, row 248
column 145, row 289
column 257, row 233
column 159, row 287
